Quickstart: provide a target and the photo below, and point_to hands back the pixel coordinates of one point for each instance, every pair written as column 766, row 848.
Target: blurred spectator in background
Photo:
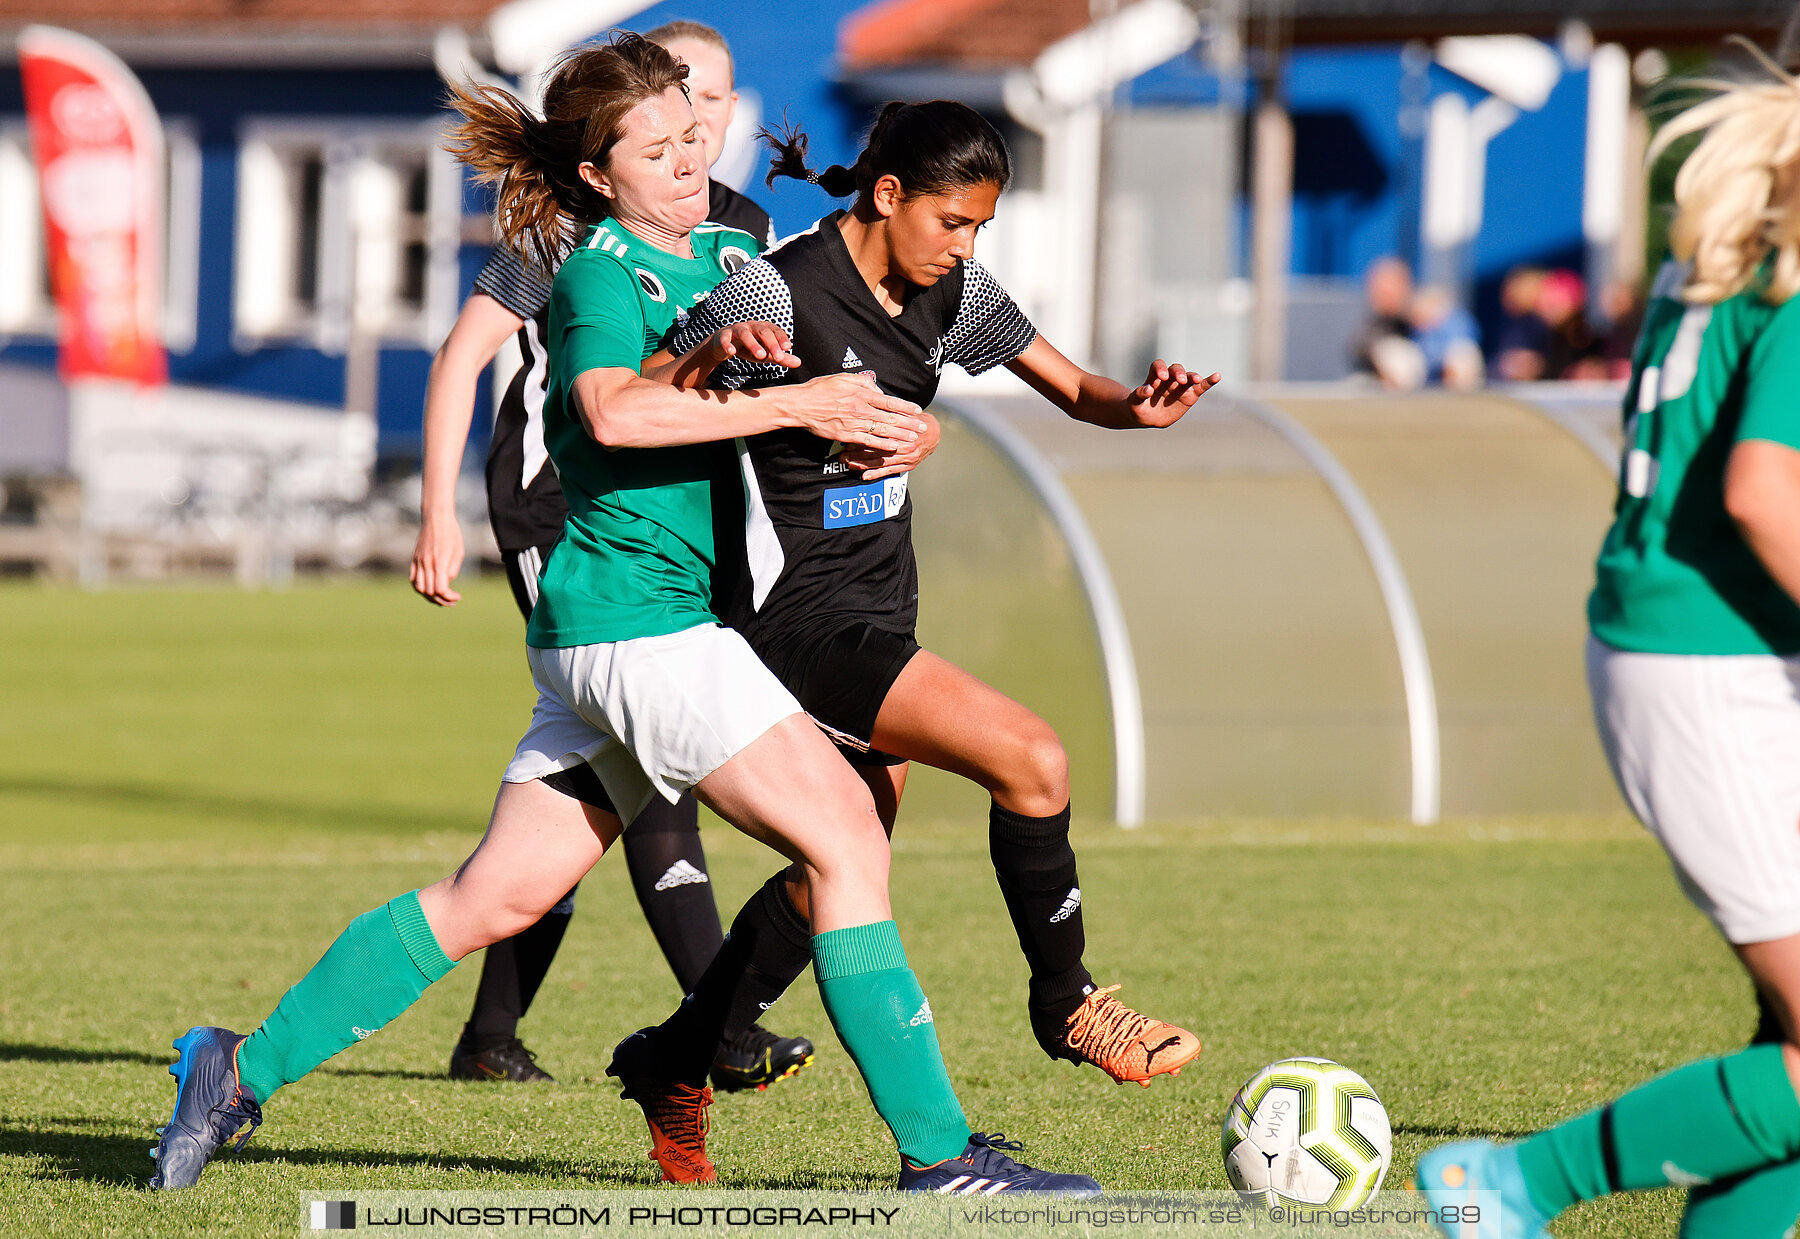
column 1448, row 340
column 1623, row 305
column 1574, row 346
column 1384, row 347
column 1521, row 349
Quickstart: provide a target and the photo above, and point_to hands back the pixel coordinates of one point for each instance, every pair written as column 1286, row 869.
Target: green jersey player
column 1694, row 667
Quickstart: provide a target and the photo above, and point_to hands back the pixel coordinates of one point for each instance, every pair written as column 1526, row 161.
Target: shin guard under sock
column 1035, row 866
column 768, row 948
column 512, row 971
column 376, row 969
column 881, row 1016
column 669, row 876
column 1699, row 1124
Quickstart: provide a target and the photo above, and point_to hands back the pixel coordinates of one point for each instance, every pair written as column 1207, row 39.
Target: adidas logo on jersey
column 363, row 1034
column 1068, row 908
column 924, row 1015
column 680, row 874
column 851, row 360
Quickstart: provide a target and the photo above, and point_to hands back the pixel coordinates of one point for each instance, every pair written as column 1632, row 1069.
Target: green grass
column 199, row 788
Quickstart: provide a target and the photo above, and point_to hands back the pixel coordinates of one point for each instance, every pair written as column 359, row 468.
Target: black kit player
column 825, row 586
column 526, row 508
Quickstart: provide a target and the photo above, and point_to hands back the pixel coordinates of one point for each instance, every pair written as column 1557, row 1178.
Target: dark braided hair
column 930, row 148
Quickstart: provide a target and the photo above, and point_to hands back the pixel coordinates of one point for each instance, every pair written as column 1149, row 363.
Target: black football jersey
column 525, row 499
column 818, row 543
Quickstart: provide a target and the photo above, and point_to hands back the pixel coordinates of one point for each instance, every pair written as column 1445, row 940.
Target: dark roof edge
column 398, row 45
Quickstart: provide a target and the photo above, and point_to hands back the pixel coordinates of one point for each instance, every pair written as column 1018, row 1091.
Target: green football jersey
column 636, row 555
column 1675, row 576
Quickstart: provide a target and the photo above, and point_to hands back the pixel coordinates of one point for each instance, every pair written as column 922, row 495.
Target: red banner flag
column 99, row 150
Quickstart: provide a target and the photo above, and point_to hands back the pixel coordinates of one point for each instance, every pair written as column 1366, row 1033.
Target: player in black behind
column 825, row 586
column 525, row 506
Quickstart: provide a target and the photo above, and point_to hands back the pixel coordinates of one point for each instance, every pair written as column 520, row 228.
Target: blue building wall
column 1356, row 182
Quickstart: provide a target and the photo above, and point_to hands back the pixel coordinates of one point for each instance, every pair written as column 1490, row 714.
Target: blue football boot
column 210, row 1107
column 984, row 1169
column 1449, row 1173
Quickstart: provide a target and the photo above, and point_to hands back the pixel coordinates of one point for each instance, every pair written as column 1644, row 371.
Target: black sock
column 1036, row 869
column 1768, row 1024
column 769, row 946
column 511, row 972
column 668, row 872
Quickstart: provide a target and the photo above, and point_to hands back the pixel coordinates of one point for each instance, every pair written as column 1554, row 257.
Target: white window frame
column 363, row 187
column 27, row 311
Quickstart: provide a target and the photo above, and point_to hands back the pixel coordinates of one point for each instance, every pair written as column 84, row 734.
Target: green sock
column 1707, row 1121
column 1760, row 1205
column 376, row 969
column 881, row 1016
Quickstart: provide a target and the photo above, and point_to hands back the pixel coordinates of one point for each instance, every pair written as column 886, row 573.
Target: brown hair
column 534, row 160
column 669, row 32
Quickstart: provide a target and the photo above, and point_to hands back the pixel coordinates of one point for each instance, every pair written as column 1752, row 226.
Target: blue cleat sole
column 1449, row 1175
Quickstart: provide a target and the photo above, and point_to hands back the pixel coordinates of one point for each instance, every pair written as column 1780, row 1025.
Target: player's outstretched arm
column 757, row 341
column 1167, row 392
column 479, row 331
column 1762, row 494
column 620, row 408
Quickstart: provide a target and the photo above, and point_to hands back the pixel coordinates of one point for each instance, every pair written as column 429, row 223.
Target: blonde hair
column 1738, row 194
column 534, row 161
column 697, row 32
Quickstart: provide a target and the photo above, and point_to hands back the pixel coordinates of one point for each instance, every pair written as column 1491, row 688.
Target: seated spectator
column 1623, row 305
column 1522, row 346
column 1384, row 347
column 1562, row 304
column 1449, row 340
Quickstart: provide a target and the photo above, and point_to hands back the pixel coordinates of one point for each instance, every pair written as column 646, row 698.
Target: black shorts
column 523, row 568
column 841, row 673
column 582, row 783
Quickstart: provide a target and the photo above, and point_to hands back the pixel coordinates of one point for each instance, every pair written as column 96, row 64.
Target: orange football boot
column 1124, row 1044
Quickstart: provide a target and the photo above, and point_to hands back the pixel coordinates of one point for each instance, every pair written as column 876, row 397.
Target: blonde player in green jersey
column 1694, row 666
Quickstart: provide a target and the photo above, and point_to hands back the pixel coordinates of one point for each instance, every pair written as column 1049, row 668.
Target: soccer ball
column 1305, row 1131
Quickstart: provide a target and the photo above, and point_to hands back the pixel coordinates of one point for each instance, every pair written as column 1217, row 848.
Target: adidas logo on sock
column 680, row 874
column 363, row 1034
column 851, row 360
column 1069, row 905
column 924, row 1015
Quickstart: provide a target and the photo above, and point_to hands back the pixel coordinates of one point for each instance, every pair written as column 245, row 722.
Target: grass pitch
column 198, row 789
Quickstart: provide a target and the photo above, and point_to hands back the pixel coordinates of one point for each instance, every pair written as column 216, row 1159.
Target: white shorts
column 1706, row 749
column 652, row 716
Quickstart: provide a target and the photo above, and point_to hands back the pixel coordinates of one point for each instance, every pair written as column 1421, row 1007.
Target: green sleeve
column 596, row 318
column 1772, row 385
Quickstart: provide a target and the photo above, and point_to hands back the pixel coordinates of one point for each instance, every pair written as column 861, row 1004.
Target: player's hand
column 875, row 464
column 1167, row 392
column 852, row 410
column 756, row 341
column 437, row 558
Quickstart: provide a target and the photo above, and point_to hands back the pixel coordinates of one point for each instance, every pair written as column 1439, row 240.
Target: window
column 27, row 307
column 342, row 228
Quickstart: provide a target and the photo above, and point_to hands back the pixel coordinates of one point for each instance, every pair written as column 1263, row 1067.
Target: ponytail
column 534, row 161
column 930, row 148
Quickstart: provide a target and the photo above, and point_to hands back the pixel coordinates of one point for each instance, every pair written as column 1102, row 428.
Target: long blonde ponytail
column 1738, row 194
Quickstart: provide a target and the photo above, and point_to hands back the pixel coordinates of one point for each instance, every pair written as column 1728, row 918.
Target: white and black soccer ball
column 1306, row 1131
